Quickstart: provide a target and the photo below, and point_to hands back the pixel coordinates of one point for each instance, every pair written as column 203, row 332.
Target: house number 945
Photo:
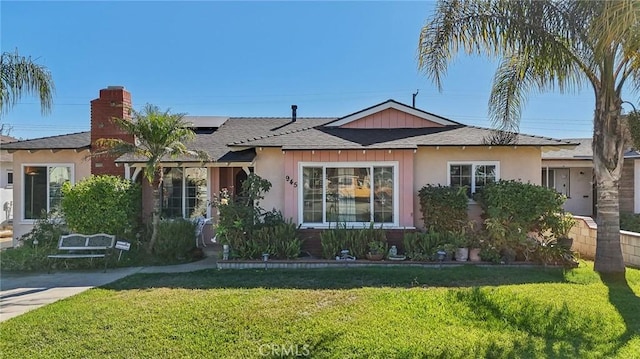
column 290, row 181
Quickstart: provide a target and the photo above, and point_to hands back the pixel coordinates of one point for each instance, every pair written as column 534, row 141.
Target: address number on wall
column 290, row 181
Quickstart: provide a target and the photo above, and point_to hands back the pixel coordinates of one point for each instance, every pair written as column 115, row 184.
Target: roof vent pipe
column 294, row 108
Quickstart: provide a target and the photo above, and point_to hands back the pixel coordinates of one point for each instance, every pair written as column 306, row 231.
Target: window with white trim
column 184, row 192
column 348, row 193
column 549, row 178
column 473, row 175
column 42, row 188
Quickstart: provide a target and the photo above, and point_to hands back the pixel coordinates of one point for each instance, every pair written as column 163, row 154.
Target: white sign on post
column 122, row 246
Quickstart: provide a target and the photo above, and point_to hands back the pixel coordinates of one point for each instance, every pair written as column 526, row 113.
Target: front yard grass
column 405, row 312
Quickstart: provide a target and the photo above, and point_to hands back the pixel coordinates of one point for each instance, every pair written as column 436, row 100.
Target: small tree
column 160, row 136
column 102, row 204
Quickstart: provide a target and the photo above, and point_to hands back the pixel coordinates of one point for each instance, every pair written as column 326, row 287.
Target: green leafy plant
column 514, row 210
column 356, row 242
column 285, row 240
column 35, row 245
column 102, row 204
column 241, row 215
column 46, row 231
column 443, row 208
column 279, row 240
column 527, row 207
column 378, row 247
column 561, row 224
column 550, row 251
column 630, row 222
column 176, row 239
column 422, row 246
column 333, row 240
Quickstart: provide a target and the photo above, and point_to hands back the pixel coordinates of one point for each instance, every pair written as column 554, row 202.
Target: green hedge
column 102, row 204
column 523, row 206
column 443, row 208
column 630, row 222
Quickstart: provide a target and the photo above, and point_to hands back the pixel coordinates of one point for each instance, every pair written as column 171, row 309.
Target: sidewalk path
column 20, row 293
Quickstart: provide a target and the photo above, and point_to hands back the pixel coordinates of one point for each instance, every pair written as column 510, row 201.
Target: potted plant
column 459, row 241
column 377, row 249
column 475, row 243
column 561, row 228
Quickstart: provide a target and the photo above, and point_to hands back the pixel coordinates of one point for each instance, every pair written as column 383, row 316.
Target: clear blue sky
column 252, row 59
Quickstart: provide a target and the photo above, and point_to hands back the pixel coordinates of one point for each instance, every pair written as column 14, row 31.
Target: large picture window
column 42, row 188
column 184, row 192
column 473, row 175
column 342, row 193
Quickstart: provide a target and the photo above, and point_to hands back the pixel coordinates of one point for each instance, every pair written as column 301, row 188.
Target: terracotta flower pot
column 375, row 257
column 474, row 255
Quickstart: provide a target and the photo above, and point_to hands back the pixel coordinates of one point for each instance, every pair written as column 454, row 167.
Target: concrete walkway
column 20, row 293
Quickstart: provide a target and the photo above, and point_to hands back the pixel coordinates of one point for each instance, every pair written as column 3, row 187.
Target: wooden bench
column 84, row 246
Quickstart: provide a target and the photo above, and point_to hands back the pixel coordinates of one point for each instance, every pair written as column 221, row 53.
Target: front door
column 562, row 181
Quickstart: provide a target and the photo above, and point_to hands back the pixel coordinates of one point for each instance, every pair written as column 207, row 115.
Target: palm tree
column 547, row 44
column 159, row 136
column 20, row 75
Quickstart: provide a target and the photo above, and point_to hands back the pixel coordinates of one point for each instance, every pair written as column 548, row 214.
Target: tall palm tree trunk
column 155, row 215
column 608, row 159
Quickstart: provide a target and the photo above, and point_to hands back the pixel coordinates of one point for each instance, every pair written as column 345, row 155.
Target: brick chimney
column 114, row 101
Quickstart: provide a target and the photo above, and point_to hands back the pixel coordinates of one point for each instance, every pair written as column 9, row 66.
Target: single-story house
column 364, row 167
column 570, row 172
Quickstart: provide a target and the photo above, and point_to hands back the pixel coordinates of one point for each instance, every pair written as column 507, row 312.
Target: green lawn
column 407, row 312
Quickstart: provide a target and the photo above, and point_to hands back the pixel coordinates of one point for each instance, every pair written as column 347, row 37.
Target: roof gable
column 391, row 114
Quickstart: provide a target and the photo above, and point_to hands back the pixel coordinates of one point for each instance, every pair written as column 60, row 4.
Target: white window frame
column 371, row 165
column 473, row 165
column 184, row 190
column 23, row 179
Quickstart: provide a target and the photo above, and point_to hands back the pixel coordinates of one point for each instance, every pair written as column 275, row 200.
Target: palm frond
column 544, row 44
column 20, row 75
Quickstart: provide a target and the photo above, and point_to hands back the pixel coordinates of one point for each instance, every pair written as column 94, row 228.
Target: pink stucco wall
column 391, row 118
column 405, row 175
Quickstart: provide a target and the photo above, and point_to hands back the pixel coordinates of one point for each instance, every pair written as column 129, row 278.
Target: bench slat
column 83, row 248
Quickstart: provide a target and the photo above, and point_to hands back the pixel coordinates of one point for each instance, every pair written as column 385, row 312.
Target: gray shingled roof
column 73, row 141
column 7, row 139
column 235, row 139
column 345, row 138
column 237, row 130
column 583, row 151
column 580, row 152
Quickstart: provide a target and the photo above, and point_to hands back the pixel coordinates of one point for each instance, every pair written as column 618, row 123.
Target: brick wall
column 313, row 245
column 114, row 101
column 584, row 241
